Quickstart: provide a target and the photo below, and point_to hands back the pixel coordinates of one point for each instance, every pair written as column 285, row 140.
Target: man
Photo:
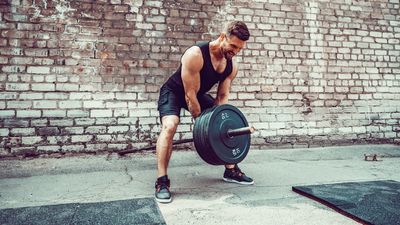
column 202, row 66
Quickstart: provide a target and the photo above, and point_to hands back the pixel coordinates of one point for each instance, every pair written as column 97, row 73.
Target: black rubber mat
column 373, row 202
column 133, row 211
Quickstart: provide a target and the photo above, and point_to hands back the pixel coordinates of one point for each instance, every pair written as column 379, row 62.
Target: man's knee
column 170, row 124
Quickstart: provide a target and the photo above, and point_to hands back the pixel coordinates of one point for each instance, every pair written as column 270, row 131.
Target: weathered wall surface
column 83, row 76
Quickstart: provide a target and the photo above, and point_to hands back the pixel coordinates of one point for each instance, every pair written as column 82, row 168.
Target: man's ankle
column 230, row 167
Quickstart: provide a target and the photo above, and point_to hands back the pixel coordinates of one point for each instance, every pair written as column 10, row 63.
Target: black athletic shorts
column 171, row 103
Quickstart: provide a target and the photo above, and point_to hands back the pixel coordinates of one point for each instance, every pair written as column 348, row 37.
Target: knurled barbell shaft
column 230, row 133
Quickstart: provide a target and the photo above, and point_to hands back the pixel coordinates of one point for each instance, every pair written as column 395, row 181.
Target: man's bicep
column 191, row 71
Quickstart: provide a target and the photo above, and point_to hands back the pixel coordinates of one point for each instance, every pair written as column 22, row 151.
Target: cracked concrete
column 199, row 194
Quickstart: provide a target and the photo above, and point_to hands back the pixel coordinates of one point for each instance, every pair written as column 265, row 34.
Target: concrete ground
column 199, row 194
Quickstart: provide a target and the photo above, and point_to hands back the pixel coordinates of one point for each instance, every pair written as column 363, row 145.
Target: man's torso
column 209, row 75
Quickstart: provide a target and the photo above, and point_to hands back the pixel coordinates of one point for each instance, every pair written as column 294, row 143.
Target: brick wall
column 83, row 76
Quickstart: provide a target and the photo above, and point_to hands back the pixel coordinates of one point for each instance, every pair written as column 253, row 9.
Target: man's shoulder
column 193, row 51
column 193, row 54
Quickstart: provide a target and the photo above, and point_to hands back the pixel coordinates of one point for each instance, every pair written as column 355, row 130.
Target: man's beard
column 228, row 54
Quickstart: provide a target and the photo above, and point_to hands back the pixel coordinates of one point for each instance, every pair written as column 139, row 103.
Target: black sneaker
column 162, row 190
column 235, row 175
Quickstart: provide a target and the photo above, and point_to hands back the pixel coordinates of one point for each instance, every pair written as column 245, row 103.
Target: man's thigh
column 169, row 103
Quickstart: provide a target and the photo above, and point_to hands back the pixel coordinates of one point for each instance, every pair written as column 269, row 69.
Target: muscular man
column 202, row 66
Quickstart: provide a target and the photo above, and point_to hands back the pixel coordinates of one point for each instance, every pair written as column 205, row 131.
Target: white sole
column 164, row 200
column 237, row 182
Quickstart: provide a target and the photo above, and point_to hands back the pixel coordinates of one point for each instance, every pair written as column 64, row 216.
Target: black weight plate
column 200, row 139
column 224, row 116
column 197, row 137
column 213, row 158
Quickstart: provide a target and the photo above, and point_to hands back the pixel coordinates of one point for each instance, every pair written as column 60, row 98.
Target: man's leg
column 164, row 143
column 164, row 151
column 169, row 107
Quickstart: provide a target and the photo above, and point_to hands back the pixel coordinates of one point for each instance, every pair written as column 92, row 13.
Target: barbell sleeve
column 240, row 131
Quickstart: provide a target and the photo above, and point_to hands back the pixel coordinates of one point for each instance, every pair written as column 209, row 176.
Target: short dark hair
column 239, row 29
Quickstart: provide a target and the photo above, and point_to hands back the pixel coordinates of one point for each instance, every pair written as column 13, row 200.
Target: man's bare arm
column 192, row 62
column 225, row 86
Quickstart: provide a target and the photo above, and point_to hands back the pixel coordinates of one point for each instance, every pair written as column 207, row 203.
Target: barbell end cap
column 252, row 129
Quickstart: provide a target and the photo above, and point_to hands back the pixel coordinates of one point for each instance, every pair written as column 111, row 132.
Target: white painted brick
column 104, row 138
column 61, row 122
column 4, row 132
column 81, row 138
column 72, row 148
column 268, row 118
column 100, row 113
column 345, row 130
column 67, row 87
column 28, row 113
column 39, row 122
column 254, row 103
column 70, row 104
column 17, row 87
column 31, row 140
column 44, row 104
column 126, row 96
column 22, row 131
column 103, row 96
column 43, row 87
column 38, row 78
column 32, row 95
column 55, row 95
column 117, row 129
column 49, row 148
column 147, row 105
column 62, row 78
column 78, row 113
column 279, row 96
column 121, row 112
column 147, row 120
column 246, row 96
column 54, row 113
column 80, row 96
column 96, row 147
column 19, row 104
column 38, row 69
column 90, row 87
column 73, row 130
column 315, row 131
column 117, row 146
column 277, row 125
column 284, row 117
column 57, row 139
column 116, row 105
column 301, row 131
column 96, row 130
column 8, row 95
column 133, row 120
column 94, row 104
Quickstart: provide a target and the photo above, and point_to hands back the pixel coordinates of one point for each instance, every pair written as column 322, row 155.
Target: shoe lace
column 162, row 185
column 237, row 172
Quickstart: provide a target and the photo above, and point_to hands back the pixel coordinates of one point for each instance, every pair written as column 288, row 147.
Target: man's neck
column 215, row 49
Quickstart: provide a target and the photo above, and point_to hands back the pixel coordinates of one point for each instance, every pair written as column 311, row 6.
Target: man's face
column 231, row 46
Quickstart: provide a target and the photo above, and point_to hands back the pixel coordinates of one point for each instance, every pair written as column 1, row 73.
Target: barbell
column 221, row 135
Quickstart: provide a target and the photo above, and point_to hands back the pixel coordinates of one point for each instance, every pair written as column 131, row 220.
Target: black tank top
column 208, row 76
